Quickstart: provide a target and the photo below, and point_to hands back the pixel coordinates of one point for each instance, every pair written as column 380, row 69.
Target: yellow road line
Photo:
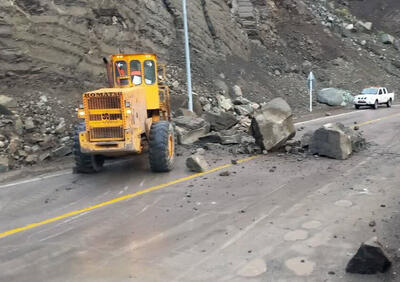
column 376, row 120
column 145, row 191
column 116, row 200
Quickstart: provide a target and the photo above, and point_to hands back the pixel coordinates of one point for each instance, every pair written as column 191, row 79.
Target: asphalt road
column 274, row 218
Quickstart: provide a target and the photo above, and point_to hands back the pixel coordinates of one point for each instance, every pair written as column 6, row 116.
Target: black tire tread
column 376, row 105
column 158, row 147
column 83, row 162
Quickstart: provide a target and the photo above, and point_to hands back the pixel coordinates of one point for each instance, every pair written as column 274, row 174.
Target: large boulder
column 237, row 91
column 29, row 124
column 197, row 163
column 244, row 110
column 369, row 259
column 331, row 141
column 8, row 102
column 272, row 125
column 387, row 38
column 212, row 137
column 224, row 103
column 190, row 128
column 334, row 97
column 220, row 121
column 365, row 26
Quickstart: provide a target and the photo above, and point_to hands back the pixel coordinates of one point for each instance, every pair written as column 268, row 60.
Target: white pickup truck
column 373, row 97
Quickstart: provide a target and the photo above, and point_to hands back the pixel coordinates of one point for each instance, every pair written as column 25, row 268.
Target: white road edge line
column 324, row 118
column 35, row 179
column 40, row 178
column 329, row 117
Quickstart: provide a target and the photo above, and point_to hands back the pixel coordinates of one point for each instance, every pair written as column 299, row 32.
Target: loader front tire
column 85, row 163
column 162, row 146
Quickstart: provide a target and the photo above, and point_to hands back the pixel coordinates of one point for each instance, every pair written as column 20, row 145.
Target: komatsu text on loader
column 130, row 117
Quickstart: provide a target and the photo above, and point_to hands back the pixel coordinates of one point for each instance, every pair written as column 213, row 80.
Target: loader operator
column 121, row 70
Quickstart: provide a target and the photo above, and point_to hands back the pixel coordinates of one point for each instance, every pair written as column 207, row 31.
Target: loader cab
column 136, row 70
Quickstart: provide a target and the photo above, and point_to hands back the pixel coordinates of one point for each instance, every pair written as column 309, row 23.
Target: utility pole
column 187, row 55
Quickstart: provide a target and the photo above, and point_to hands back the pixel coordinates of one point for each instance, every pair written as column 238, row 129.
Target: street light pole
column 310, row 85
column 187, row 54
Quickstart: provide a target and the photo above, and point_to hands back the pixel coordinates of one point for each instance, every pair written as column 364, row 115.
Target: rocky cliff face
column 59, row 44
column 384, row 14
column 267, row 47
column 51, row 51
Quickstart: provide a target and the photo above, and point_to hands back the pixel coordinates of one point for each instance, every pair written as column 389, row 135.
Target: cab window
column 149, row 72
column 136, row 72
column 380, row 91
column 121, row 71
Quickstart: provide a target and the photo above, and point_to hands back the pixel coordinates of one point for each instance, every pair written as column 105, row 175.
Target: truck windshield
column 370, row 91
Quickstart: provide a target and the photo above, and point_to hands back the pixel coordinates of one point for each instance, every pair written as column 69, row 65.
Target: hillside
column 52, row 50
column 384, row 14
column 266, row 47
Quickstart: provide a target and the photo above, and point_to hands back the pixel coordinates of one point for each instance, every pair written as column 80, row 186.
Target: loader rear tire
column 162, row 146
column 85, row 163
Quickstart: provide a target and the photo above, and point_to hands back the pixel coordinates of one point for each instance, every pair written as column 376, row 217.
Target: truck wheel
column 162, row 146
column 85, row 163
column 389, row 103
column 357, row 107
column 376, row 105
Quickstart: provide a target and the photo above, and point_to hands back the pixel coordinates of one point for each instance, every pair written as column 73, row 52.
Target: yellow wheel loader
column 131, row 116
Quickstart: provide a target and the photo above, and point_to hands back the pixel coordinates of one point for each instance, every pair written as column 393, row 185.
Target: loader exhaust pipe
column 110, row 78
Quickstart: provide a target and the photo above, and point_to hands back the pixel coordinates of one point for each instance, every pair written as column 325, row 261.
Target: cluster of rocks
column 269, row 127
column 338, row 17
column 332, row 16
column 223, row 121
column 31, row 131
column 332, row 140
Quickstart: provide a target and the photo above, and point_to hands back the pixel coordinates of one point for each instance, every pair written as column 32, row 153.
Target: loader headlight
column 128, row 111
column 81, row 113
